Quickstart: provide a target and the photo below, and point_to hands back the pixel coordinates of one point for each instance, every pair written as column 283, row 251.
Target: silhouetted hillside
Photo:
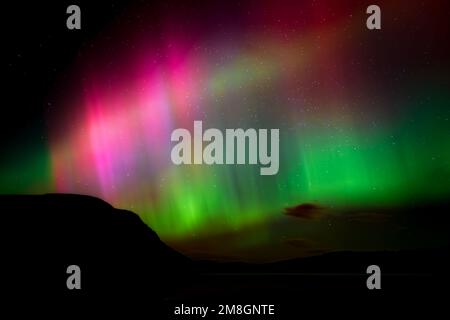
column 119, row 256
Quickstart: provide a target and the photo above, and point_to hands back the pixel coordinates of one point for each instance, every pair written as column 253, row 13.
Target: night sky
column 363, row 118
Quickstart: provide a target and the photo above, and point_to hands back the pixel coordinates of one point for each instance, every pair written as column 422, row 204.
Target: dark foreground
column 125, row 267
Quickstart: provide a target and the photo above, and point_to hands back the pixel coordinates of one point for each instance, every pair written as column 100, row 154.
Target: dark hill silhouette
column 123, row 259
column 118, row 254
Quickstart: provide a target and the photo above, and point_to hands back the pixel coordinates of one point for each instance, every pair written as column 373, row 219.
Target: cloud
column 305, row 211
column 311, row 211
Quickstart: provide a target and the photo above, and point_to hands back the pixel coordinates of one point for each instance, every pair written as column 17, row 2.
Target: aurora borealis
column 363, row 117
